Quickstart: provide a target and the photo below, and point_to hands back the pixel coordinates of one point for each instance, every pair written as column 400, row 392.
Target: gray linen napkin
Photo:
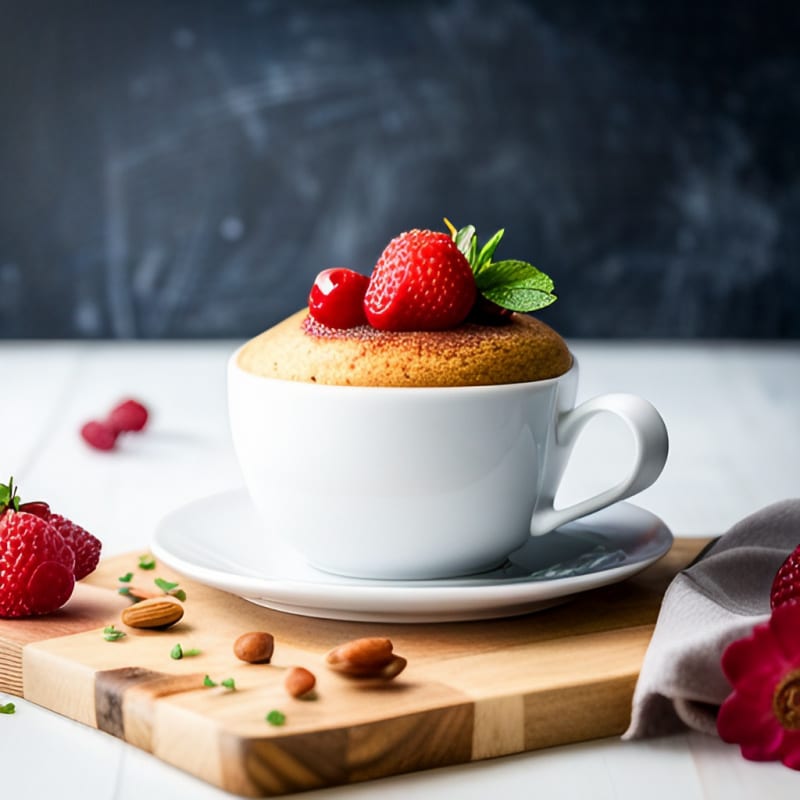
column 715, row 601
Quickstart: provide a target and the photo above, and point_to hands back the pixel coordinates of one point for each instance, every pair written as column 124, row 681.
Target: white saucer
column 246, row 560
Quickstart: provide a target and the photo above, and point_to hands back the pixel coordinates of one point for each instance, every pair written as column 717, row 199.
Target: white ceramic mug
column 420, row 483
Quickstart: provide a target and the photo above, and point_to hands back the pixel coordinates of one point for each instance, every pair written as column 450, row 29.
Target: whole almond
column 299, row 681
column 157, row 612
column 255, row 647
column 367, row 653
column 371, row 657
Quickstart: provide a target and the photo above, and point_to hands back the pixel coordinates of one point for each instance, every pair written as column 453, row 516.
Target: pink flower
column 762, row 714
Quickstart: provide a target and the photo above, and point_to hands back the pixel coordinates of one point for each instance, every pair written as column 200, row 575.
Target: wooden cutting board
column 472, row 690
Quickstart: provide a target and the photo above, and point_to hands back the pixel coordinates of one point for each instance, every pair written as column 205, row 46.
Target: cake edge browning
column 298, row 349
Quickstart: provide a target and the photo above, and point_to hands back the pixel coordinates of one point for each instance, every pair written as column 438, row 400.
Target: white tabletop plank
column 733, row 413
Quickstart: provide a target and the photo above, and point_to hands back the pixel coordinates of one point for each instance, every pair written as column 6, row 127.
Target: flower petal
column 756, row 656
column 790, row 749
column 785, row 626
column 768, row 750
column 743, row 721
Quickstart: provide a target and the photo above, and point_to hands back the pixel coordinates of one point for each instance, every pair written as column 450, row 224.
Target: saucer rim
column 360, row 599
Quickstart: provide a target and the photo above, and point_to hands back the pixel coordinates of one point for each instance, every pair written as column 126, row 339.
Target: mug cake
column 436, row 311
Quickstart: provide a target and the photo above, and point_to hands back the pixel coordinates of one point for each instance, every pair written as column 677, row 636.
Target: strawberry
column 36, row 564
column 85, row 547
column 422, row 281
column 337, row 298
column 786, row 586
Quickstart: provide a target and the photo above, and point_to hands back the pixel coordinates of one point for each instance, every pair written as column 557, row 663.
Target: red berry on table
column 99, row 435
column 36, row 564
column 83, row 544
column 337, row 298
column 786, row 585
column 129, row 415
column 421, row 282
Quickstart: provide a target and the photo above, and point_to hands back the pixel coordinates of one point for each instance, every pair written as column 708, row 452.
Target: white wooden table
column 733, row 412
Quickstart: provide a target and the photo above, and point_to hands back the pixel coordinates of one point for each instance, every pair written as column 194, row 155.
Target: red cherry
column 337, row 298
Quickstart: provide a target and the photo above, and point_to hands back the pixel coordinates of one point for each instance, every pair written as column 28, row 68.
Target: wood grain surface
column 472, row 690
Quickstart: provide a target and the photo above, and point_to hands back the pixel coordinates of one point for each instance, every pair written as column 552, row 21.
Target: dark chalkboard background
column 184, row 169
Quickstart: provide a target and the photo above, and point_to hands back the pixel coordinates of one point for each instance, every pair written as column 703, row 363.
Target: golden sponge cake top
column 300, row 349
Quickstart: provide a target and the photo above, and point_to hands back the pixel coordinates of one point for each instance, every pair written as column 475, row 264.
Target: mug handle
column 650, row 439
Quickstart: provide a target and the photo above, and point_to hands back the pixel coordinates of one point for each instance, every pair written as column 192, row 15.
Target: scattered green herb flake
column 276, row 717
column 126, row 590
column 111, row 634
column 176, row 652
column 165, row 586
column 179, row 594
column 191, row 652
column 229, row 683
column 208, row 682
column 126, row 578
column 8, row 708
column 147, row 561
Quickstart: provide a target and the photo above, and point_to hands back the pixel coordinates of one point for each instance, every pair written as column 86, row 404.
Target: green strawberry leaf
column 8, row 496
column 515, row 285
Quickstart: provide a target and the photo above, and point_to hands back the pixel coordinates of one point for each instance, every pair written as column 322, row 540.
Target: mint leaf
column 463, row 240
column 208, row 682
column 8, row 708
column 487, row 251
column 165, row 586
column 126, row 578
column 515, row 285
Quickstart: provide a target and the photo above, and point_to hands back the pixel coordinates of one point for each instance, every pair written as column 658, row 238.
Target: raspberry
column 786, row 585
column 337, row 298
column 99, row 435
column 85, row 547
column 421, row 282
column 129, row 415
